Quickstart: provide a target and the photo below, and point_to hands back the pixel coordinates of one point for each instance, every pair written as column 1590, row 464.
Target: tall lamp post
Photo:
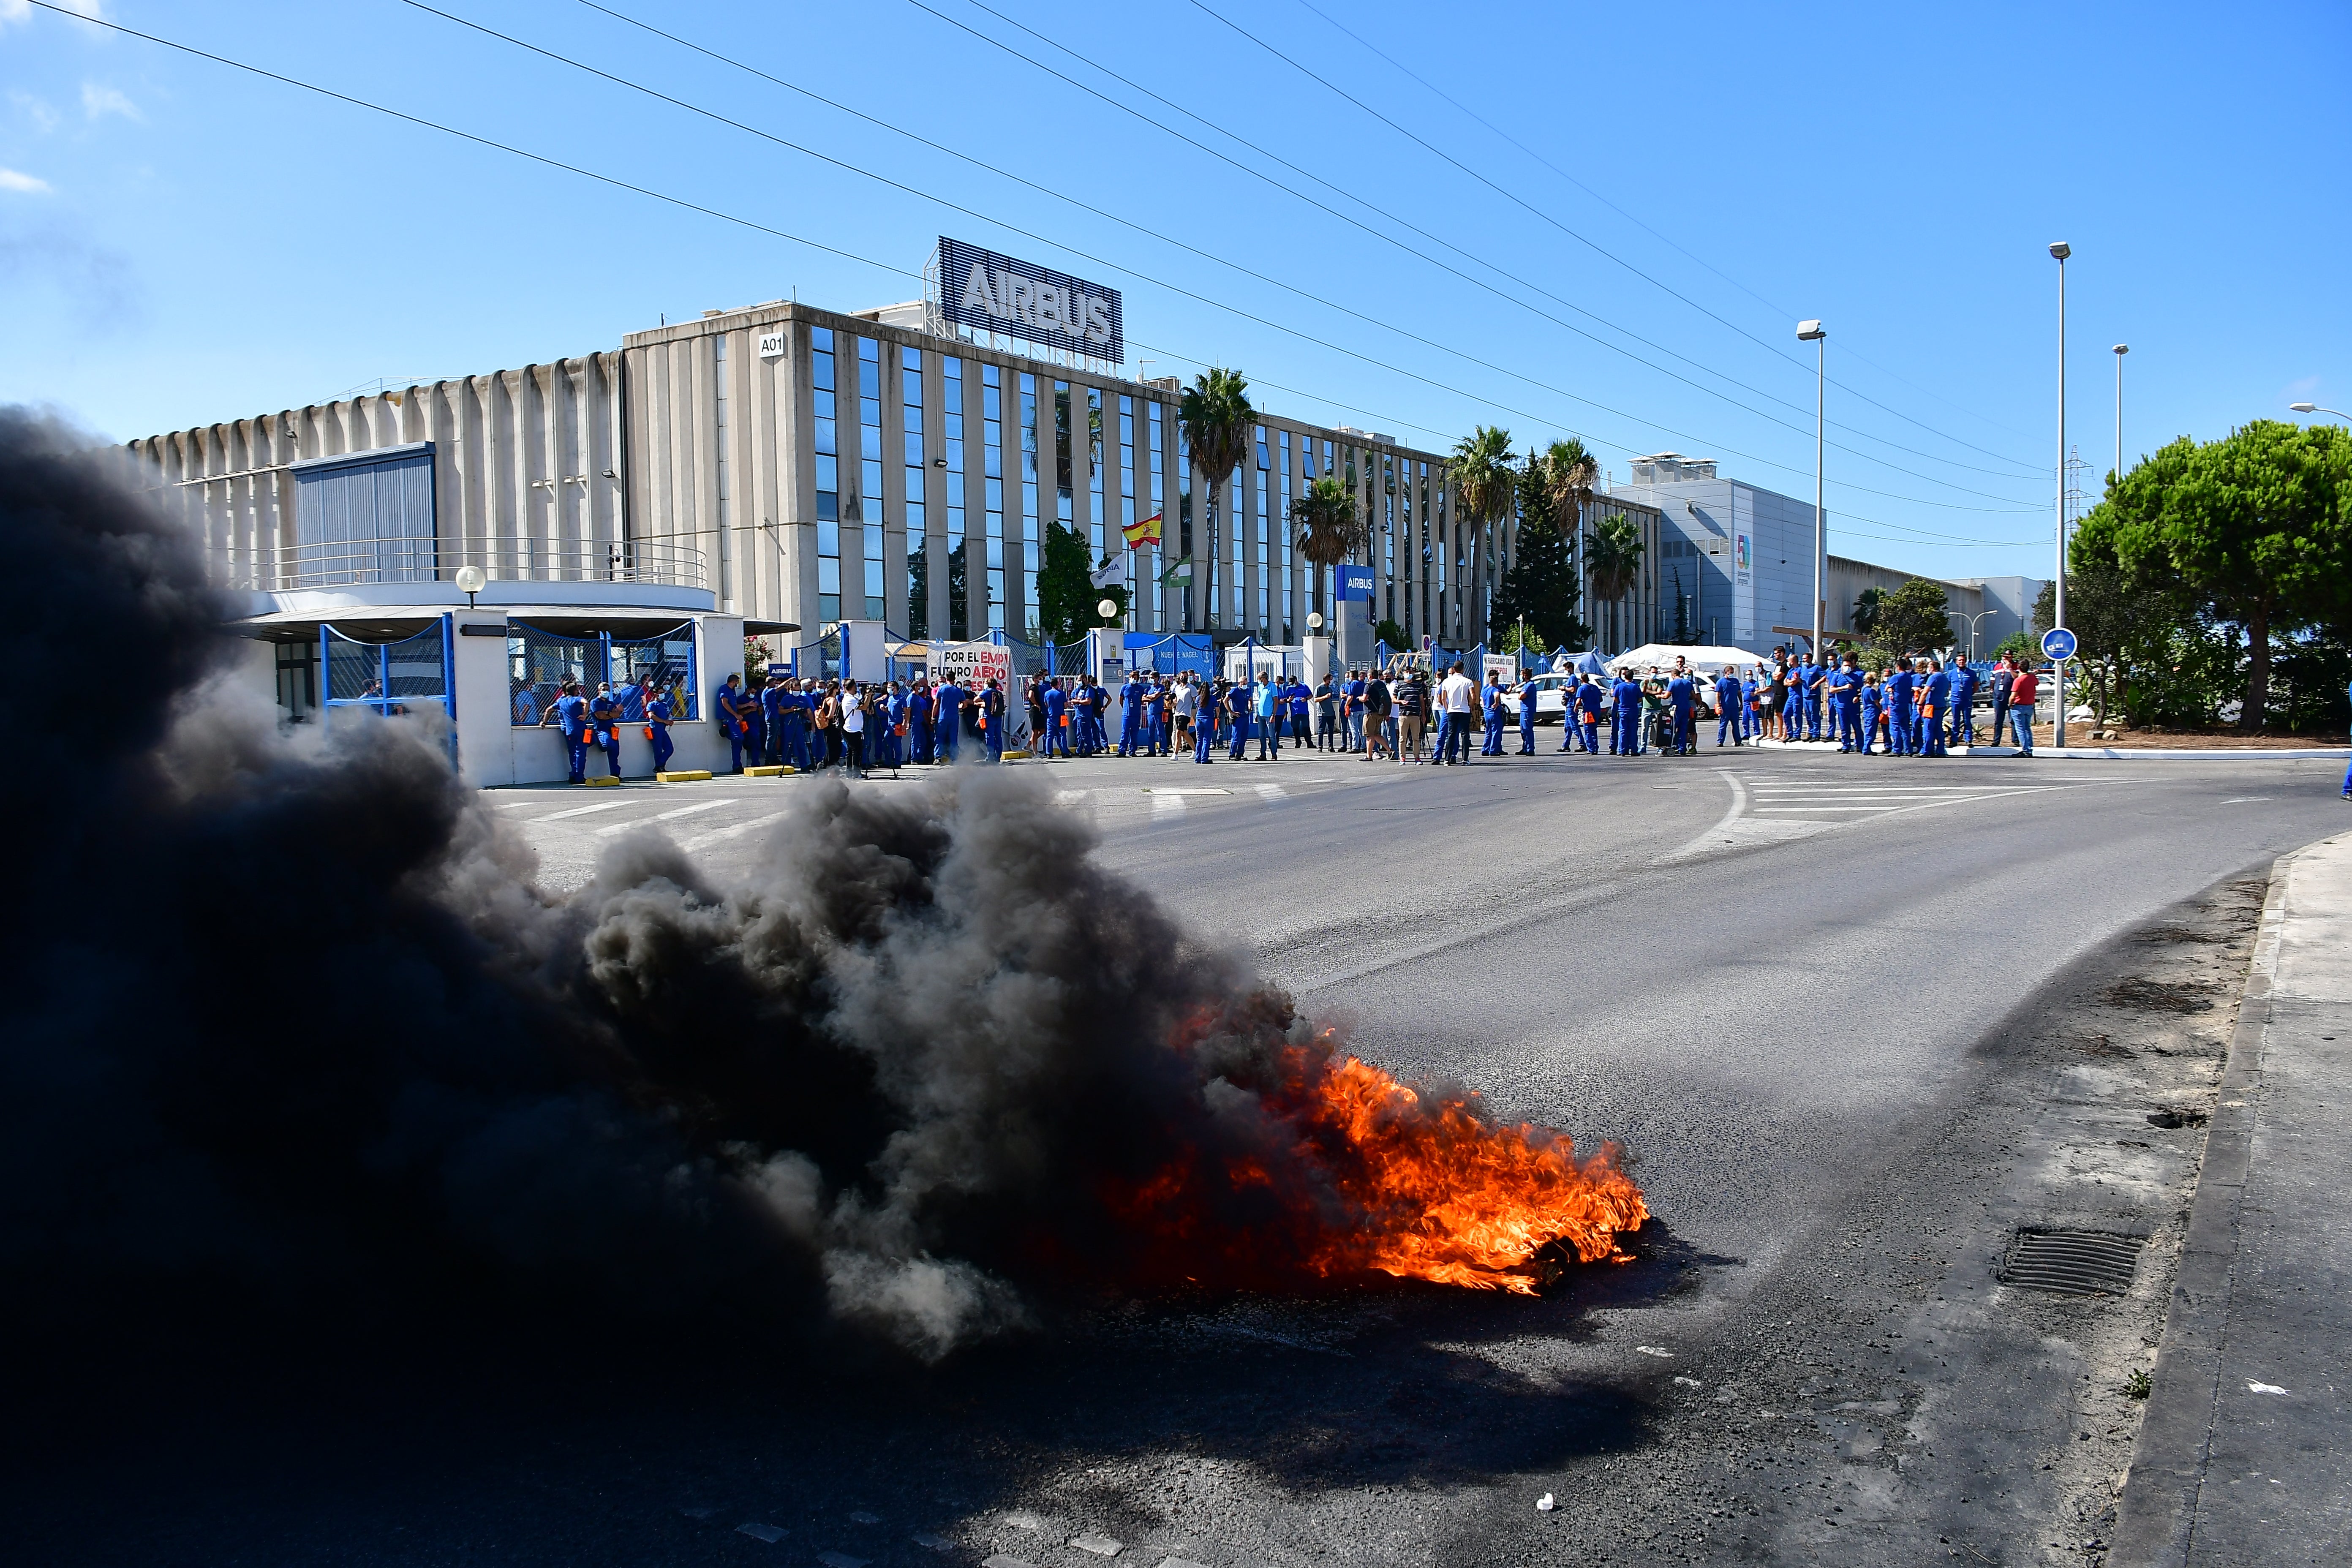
column 1811, row 332
column 2315, row 409
column 2058, row 253
column 2121, row 350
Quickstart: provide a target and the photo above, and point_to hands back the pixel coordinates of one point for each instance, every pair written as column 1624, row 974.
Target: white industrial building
column 1740, row 559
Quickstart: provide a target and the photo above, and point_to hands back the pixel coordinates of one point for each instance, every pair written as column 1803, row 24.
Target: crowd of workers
column 1401, row 713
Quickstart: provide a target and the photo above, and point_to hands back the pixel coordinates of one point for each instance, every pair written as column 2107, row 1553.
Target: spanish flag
column 1138, row 534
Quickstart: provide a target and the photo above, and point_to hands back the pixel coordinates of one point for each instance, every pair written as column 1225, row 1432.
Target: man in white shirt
column 1456, row 695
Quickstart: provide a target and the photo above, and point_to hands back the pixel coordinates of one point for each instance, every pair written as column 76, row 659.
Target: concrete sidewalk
column 2245, row 1453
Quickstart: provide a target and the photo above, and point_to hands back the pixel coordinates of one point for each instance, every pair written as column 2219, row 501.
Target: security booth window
column 539, row 660
column 298, row 678
column 393, row 677
column 666, row 659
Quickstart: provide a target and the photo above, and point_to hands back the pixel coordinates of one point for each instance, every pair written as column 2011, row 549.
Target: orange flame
column 1378, row 1176
column 1455, row 1200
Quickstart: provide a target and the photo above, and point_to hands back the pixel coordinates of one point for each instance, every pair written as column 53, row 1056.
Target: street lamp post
column 2059, row 252
column 2121, row 350
column 2315, row 409
column 1972, row 620
column 1811, row 332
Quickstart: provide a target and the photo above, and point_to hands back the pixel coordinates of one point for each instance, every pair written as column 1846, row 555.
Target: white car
column 1552, row 698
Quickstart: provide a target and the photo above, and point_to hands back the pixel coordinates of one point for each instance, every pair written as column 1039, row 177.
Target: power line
column 1534, row 211
column 1385, row 237
column 1131, row 270
column 1406, row 70
column 736, row 220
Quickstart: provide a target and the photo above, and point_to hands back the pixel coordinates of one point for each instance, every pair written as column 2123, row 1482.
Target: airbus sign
column 986, row 292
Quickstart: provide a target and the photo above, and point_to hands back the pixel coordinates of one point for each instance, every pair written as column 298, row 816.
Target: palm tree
column 1486, row 482
column 1218, row 424
column 1568, row 470
column 1328, row 532
column 1614, row 562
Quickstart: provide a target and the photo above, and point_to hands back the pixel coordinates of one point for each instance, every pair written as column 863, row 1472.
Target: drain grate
column 2072, row 1262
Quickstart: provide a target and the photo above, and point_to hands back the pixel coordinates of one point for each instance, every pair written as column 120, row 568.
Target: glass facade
column 1030, row 533
column 1264, row 623
column 910, row 424
column 869, row 490
column 1097, row 534
column 1156, row 590
column 958, row 567
column 1282, row 530
column 991, row 425
column 828, row 477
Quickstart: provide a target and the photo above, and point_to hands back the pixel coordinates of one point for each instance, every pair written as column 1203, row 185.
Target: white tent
column 1705, row 660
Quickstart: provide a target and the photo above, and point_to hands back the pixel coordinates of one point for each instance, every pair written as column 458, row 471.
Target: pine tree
column 1541, row 583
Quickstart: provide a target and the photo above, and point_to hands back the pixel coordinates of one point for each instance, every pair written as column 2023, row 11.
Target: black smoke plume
column 287, row 1023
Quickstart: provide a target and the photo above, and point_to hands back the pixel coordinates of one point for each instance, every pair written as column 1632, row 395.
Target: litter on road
column 1653, row 1350
column 758, row 1531
column 1101, row 1545
column 2264, row 1388
column 1544, row 1503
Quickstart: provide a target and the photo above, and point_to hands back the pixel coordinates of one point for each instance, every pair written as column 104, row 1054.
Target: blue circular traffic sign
column 2057, row 643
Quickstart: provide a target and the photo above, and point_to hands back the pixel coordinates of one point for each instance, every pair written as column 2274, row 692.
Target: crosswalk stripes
column 732, row 830
column 666, row 816
column 585, row 810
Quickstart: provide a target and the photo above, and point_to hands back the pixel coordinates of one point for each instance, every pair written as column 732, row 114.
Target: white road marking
column 731, row 831
column 1165, row 803
column 666, row 816
column 1068, row 796
column 585, row 810
column 1271, row 792
column 2245, row 799
column 1164, row 789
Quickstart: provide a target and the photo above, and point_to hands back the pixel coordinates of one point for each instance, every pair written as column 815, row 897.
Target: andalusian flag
column 1139, row 534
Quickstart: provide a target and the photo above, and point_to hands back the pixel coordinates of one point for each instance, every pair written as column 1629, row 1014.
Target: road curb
column 2153, row 754
column 2169, row 1456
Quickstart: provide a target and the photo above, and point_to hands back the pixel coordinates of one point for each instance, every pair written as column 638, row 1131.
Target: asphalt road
column 1838, row 1009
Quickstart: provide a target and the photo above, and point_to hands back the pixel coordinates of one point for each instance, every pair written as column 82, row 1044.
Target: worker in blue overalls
column 1938, row 707
column 1730, row 706
column 1900, row 686
column 2348, row 772
column 725, row 703
column 1624, row 715
column 605, row 724
column 946, row 719
column 1682, row 697
column 771, row 721
column 658, row 717
column 1873, row 702
column 1846, row 704
column 796, row 711
column 1962, row 730
column 1237, row 709
column 1098, row 717
column 1491, row 713
column 1130, row 714
column 918, row 721
column 1586, row 717
column 569, row 714
column 992, row 709
column 1266, row 705
column 1057, row 728
column 1528, row 691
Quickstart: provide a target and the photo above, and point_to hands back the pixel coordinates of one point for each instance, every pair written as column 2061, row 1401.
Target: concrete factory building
column 776, row 471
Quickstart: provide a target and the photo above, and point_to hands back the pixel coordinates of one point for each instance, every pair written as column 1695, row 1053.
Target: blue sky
column 1604, row 220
